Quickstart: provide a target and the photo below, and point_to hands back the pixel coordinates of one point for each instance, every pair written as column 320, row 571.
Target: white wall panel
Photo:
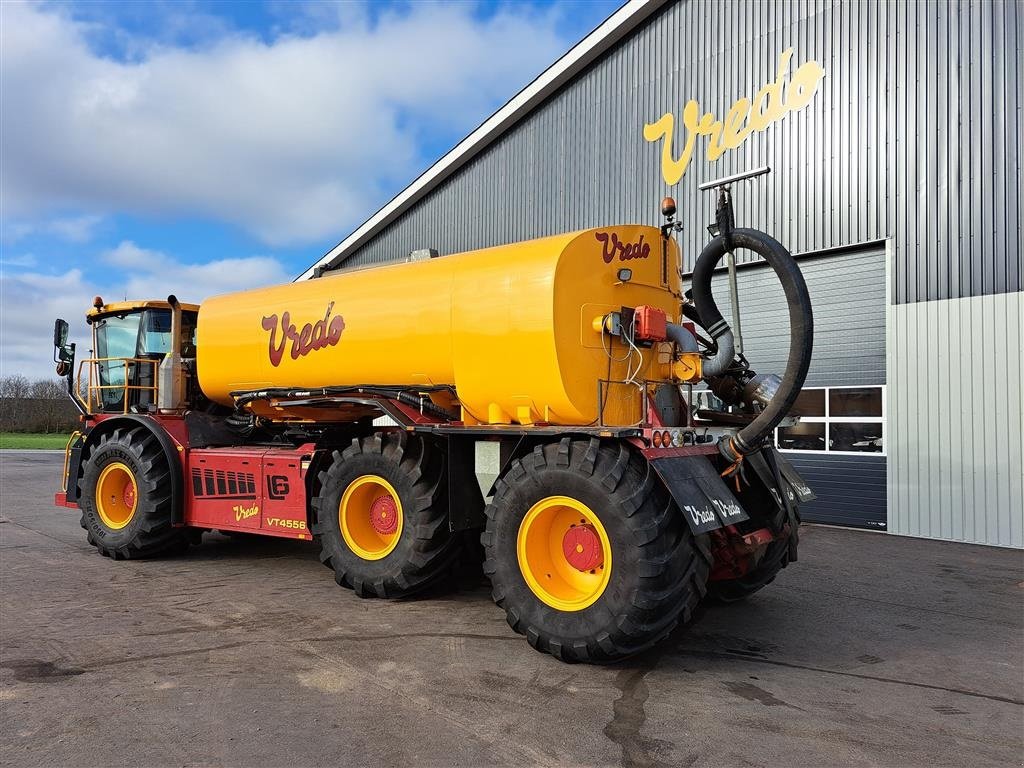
column 956, row 464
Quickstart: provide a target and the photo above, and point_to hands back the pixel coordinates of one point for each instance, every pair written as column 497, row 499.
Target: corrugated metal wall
column 958, row 144
column 956, row 460
column 915, row 133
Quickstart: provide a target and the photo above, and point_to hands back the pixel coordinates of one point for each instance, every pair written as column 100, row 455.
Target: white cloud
column 294, row 140
column 31, row 301
column 152, row 274
column 21, row 260
column 73, row 229
column 76, row 229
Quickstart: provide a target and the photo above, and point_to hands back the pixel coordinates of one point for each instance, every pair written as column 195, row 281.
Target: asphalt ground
column 872, row 650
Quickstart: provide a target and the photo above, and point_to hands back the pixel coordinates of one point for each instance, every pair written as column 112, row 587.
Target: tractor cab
column 139, row 348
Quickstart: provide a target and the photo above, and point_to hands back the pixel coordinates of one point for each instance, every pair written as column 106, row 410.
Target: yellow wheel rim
column 117, row 495
column 564, row 553
column 370, row 514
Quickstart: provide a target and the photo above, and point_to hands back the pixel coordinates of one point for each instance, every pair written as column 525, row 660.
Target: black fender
column 74, row 468
column 699, row 491
column 133, row 421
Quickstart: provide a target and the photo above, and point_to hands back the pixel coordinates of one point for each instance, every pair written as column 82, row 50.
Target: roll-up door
column 839, row 446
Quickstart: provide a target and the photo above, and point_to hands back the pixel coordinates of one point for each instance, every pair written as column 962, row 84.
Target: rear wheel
column 775, row 558
column 382, row 516
column 126, row 498
column 588, row 554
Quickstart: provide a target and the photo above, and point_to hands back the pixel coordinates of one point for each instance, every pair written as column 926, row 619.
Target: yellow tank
column 511, row 328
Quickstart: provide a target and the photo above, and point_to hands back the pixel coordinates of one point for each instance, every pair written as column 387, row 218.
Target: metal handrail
column 67, row 457
column 94, row 389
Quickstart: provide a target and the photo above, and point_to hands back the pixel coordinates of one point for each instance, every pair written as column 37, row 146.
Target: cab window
column 137, row 337
column 155, row 335
column 116, row 337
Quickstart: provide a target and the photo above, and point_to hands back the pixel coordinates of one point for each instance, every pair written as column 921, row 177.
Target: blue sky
column 202, row 147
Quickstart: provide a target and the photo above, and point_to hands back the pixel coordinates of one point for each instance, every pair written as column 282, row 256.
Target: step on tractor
column 559, row 410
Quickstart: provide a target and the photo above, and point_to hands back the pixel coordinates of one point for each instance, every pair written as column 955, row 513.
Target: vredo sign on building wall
column 774, row 101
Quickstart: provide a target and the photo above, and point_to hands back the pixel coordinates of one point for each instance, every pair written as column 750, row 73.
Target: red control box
column 650, row 324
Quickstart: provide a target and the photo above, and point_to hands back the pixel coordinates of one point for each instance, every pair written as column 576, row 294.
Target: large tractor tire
column 776, row 557
column 382, row 516
column 126, row 497
column 588, row 553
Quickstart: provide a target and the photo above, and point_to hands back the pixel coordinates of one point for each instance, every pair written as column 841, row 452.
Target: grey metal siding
column 914, row 134
column 959, row 92
column 848, row 294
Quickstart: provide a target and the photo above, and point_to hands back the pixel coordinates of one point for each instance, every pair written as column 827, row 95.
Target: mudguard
column 702, row 495
column 74, row 465
column 796, row 489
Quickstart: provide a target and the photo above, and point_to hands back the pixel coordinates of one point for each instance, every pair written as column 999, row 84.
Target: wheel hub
column 384, row 515
column 128, row 495
column 116, row 495
column 370, row 516
column 581, row 546
column 564, row 553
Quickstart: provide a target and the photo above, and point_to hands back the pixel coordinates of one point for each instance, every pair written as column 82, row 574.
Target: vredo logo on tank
column 325, row 332
column 613, row 247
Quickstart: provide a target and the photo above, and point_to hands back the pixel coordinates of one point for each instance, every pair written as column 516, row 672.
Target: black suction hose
column 801, row 327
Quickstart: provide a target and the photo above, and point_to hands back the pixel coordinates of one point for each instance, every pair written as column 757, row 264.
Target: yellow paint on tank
column 511, row 328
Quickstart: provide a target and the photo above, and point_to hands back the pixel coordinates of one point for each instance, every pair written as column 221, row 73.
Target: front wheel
column 126, row 497
column 588, row 554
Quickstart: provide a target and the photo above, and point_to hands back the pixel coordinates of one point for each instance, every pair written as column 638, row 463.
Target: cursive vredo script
column 774, row 100
column 612, row 246
column 322, row 333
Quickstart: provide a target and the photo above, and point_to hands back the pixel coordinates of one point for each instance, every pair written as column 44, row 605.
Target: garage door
column 840, row 446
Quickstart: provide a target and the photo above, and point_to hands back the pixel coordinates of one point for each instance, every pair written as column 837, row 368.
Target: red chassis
column 255, row 489
column 263, row 490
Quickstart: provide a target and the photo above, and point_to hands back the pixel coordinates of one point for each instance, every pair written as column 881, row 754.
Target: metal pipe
column 175, row 326
column 735, row 177
column 170, row 391
column 734, row 300
column 682, row 337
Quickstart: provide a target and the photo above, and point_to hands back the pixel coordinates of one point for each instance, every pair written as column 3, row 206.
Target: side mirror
column 60, row 333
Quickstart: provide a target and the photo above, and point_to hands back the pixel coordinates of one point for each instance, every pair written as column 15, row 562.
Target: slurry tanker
column 540, row 416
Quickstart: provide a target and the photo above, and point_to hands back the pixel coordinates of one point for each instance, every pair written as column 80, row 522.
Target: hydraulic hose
column 427, row 405
column 801, row 328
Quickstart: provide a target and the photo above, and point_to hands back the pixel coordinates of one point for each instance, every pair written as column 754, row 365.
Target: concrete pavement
column 872, row 650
